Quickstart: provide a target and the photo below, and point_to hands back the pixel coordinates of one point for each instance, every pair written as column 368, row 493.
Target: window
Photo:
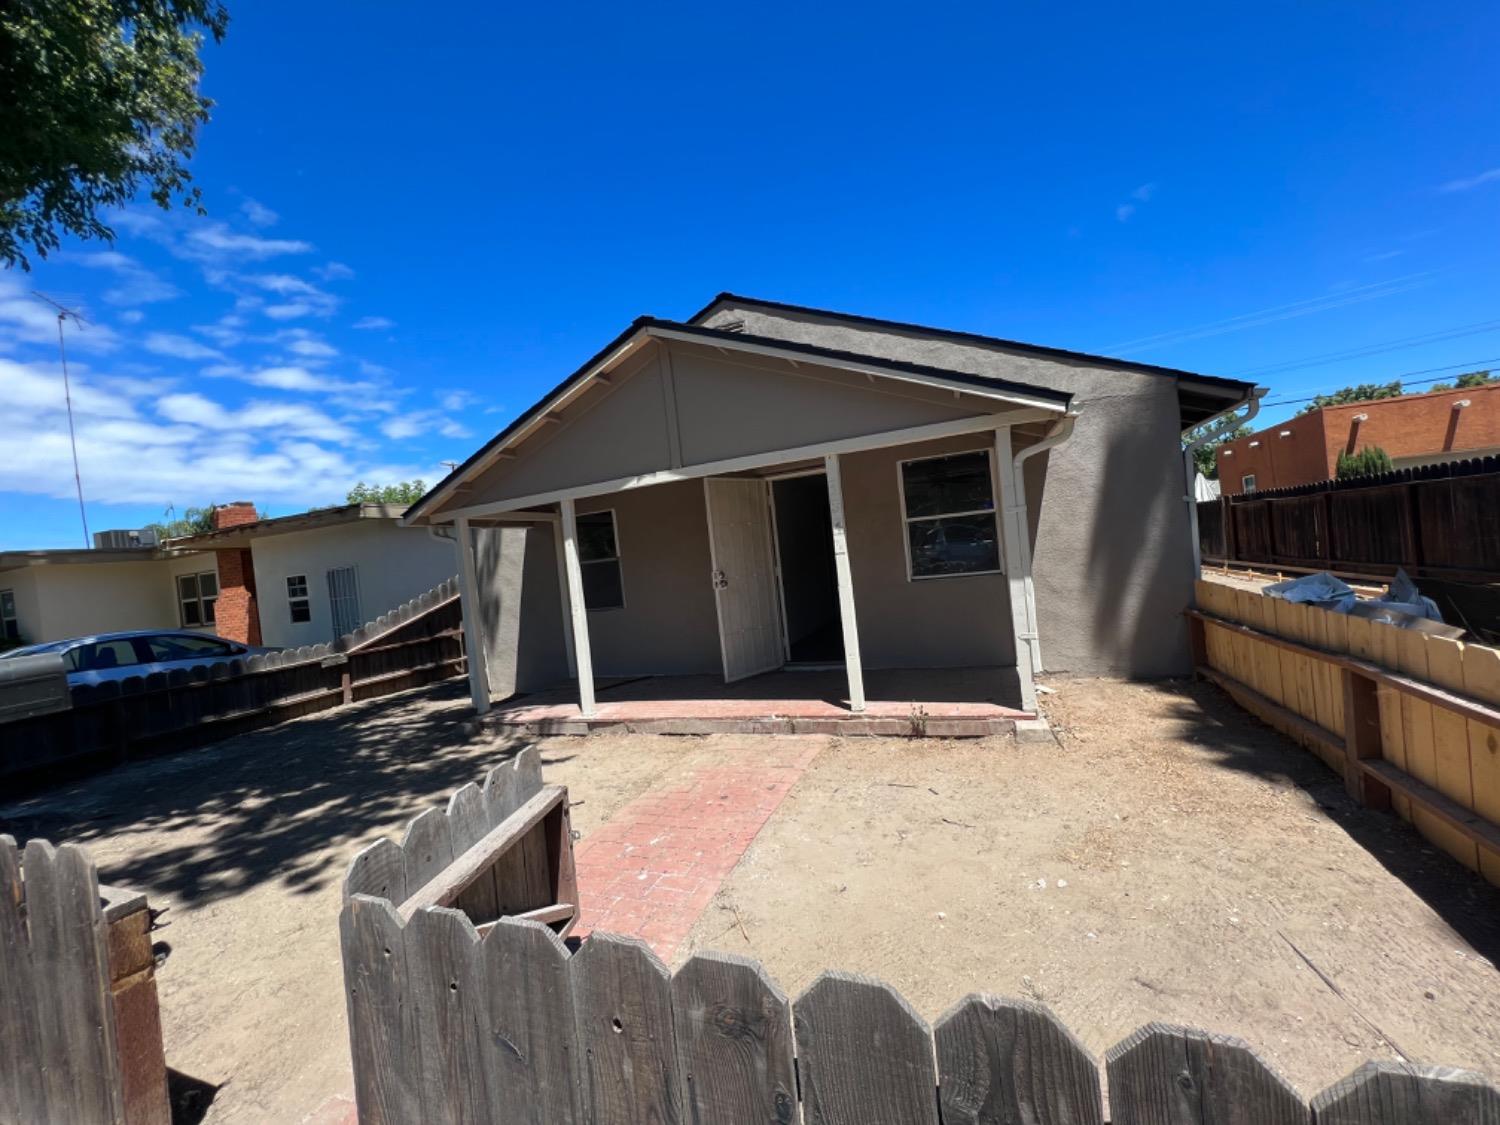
column 101, row 656
column 10, row 627
column 1247, row 482
column 948, row 505
column 343, row 600
column 196, row 594
column 297, row 601
column 599, row 554
column 171, row 646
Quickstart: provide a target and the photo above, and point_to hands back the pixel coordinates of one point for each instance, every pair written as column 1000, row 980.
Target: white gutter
column 1060, row 431
column 1228, row 422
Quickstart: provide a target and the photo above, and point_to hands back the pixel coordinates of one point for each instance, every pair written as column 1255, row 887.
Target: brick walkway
column 653, row 868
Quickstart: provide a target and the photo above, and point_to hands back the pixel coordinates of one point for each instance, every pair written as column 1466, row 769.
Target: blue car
column 118, row 656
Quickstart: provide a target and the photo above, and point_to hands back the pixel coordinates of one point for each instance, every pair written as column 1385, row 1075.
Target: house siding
column 62, row 601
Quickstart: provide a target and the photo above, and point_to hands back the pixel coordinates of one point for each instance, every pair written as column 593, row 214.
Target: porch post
column 562, row 593
column 473, row 622
column 577, row 614
column 1013, row 532
column 846, row 584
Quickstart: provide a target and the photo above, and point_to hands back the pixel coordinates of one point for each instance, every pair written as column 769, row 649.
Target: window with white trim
column 196, row 595
column 297, row 600
column 948, row 508
column 599, row 560
column 1247, row 482
column 10, row 625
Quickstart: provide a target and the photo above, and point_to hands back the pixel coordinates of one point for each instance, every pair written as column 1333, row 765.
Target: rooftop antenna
column 449, row 465
column 65, row 313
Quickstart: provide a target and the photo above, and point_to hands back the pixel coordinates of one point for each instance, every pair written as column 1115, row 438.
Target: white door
column 744, row 576
column 343, row 600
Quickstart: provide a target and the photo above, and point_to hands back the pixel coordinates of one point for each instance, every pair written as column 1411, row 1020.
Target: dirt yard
column 1165, row 858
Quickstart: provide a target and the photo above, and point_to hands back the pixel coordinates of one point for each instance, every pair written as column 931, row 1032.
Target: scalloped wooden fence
column 449, row 1026
column 416, row 643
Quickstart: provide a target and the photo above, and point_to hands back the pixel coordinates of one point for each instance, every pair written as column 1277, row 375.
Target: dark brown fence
column 418, row 643
column 1439, row 521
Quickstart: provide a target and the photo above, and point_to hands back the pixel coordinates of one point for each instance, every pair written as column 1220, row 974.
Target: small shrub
column 1367, row 462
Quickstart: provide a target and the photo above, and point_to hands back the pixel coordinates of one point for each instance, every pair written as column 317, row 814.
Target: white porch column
column 468, row 594
column 1013, row 535
column 562, row 593
column 577, row 614
column 846, row 584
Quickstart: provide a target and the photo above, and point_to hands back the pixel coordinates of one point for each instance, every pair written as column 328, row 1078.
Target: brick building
column 1416, row 429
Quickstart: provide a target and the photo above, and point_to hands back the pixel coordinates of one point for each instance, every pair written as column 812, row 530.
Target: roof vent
column 731, row 326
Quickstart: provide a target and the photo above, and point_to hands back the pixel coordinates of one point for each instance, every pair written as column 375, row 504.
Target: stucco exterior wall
column 78, row 600
column 393, row 565
column 1112, row 556
column 23, row 585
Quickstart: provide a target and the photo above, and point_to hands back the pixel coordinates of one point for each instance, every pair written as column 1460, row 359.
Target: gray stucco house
column 765, row 484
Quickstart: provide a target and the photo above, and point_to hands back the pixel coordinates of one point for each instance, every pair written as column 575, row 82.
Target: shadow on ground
column 1238, row 740
column 285, row 803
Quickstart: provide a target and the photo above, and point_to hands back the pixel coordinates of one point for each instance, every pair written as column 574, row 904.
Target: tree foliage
column 100, row 101
column 194, row 521
column 404, row 492
column 1359, row 393
column 1466, row 380
column 1205, row 457
column 1367, row 462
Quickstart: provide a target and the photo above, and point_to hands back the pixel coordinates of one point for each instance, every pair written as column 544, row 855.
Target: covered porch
column 828, row 538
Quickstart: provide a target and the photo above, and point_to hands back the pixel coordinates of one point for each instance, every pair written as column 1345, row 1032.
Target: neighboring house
column 1416, row 429
column 312, row 577
column 56, row 594
column 769, row 485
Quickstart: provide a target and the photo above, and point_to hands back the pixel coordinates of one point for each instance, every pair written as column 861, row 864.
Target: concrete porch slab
column 914, row 703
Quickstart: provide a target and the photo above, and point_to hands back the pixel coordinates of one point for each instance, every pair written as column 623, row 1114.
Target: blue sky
column 419, row 224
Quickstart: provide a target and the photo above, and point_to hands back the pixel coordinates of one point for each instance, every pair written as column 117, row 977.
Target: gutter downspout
column 1060, row 432
column 1227, row 421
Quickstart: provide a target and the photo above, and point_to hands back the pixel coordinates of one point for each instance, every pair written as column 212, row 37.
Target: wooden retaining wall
column 1410, row 721
column 447, row 1026
column 417, row 643
column 80, row 1032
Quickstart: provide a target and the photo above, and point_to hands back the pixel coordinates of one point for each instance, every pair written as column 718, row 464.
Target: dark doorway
column 809, row 584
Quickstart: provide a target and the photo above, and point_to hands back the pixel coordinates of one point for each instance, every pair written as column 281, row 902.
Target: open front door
column 744, row 576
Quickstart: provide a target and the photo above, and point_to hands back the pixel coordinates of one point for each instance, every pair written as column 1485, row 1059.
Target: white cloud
column 1140, row 195
column 132, row 316
column 334, row 271
column 405, row 426
column 138, row 285
column 454, row 401
column 259, row 214
column 26, row 320
column 373, row 322
column 179, row 347
column 216, row 241
column 1469, row 183
column 309, row 347
column 292, row 419
column 416, row 422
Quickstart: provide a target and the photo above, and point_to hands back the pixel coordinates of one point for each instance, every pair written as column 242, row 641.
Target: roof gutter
column 1220, row 425
column 1060, row 431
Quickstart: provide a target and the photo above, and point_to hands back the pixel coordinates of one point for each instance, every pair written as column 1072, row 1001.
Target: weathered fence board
column 734, row 1042
column 866, row 1056
column 1002, row 1061
column 1165, row 1075
column 444, row 984
column 23, row 1094
column 1386, row 1093
column 382, row 1033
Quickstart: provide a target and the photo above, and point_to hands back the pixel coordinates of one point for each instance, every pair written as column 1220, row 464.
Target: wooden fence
column 1410, row 721
column 1439, row 520
column 418, row 643
column 80, row 1032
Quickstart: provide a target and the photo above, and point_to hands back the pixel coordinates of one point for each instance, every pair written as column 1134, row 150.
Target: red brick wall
column 233, row 515
column 1410, row 426
column 236, row 615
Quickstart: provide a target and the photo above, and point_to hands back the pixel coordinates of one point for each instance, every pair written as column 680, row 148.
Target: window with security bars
column 343, row 600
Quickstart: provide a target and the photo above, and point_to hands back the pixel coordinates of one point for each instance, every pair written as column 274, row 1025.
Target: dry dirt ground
column 1165, row 858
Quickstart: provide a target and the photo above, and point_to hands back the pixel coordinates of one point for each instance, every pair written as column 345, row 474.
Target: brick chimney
column 235, row 514
column 236, row 615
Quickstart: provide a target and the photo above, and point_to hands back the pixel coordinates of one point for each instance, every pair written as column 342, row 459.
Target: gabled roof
column 645, row 327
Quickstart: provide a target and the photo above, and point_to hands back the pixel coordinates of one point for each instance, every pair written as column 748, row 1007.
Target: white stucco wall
column 59, row 601
column 394, row 565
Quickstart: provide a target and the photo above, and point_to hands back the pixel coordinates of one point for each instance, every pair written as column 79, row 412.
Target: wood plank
column 1450, row 732
column 1421, row 748
column 1274, row 713
column 865, row 1055
column 1389, row 1093
column 622, row 1002
column 23, row 1093
column 1456, row 820
column 426, row 850
column 733, row 1029
column 442, row 888
column 445, row 984
column 1166, row 1075
column 1482, row 681
column 1392, row 727
column 70, row 961
column 1012, row 1060
column 511, row 784
column 383, row 1041
column 532, row 1062
column 379, row 871
column 1362, row 740
column 468, row 823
